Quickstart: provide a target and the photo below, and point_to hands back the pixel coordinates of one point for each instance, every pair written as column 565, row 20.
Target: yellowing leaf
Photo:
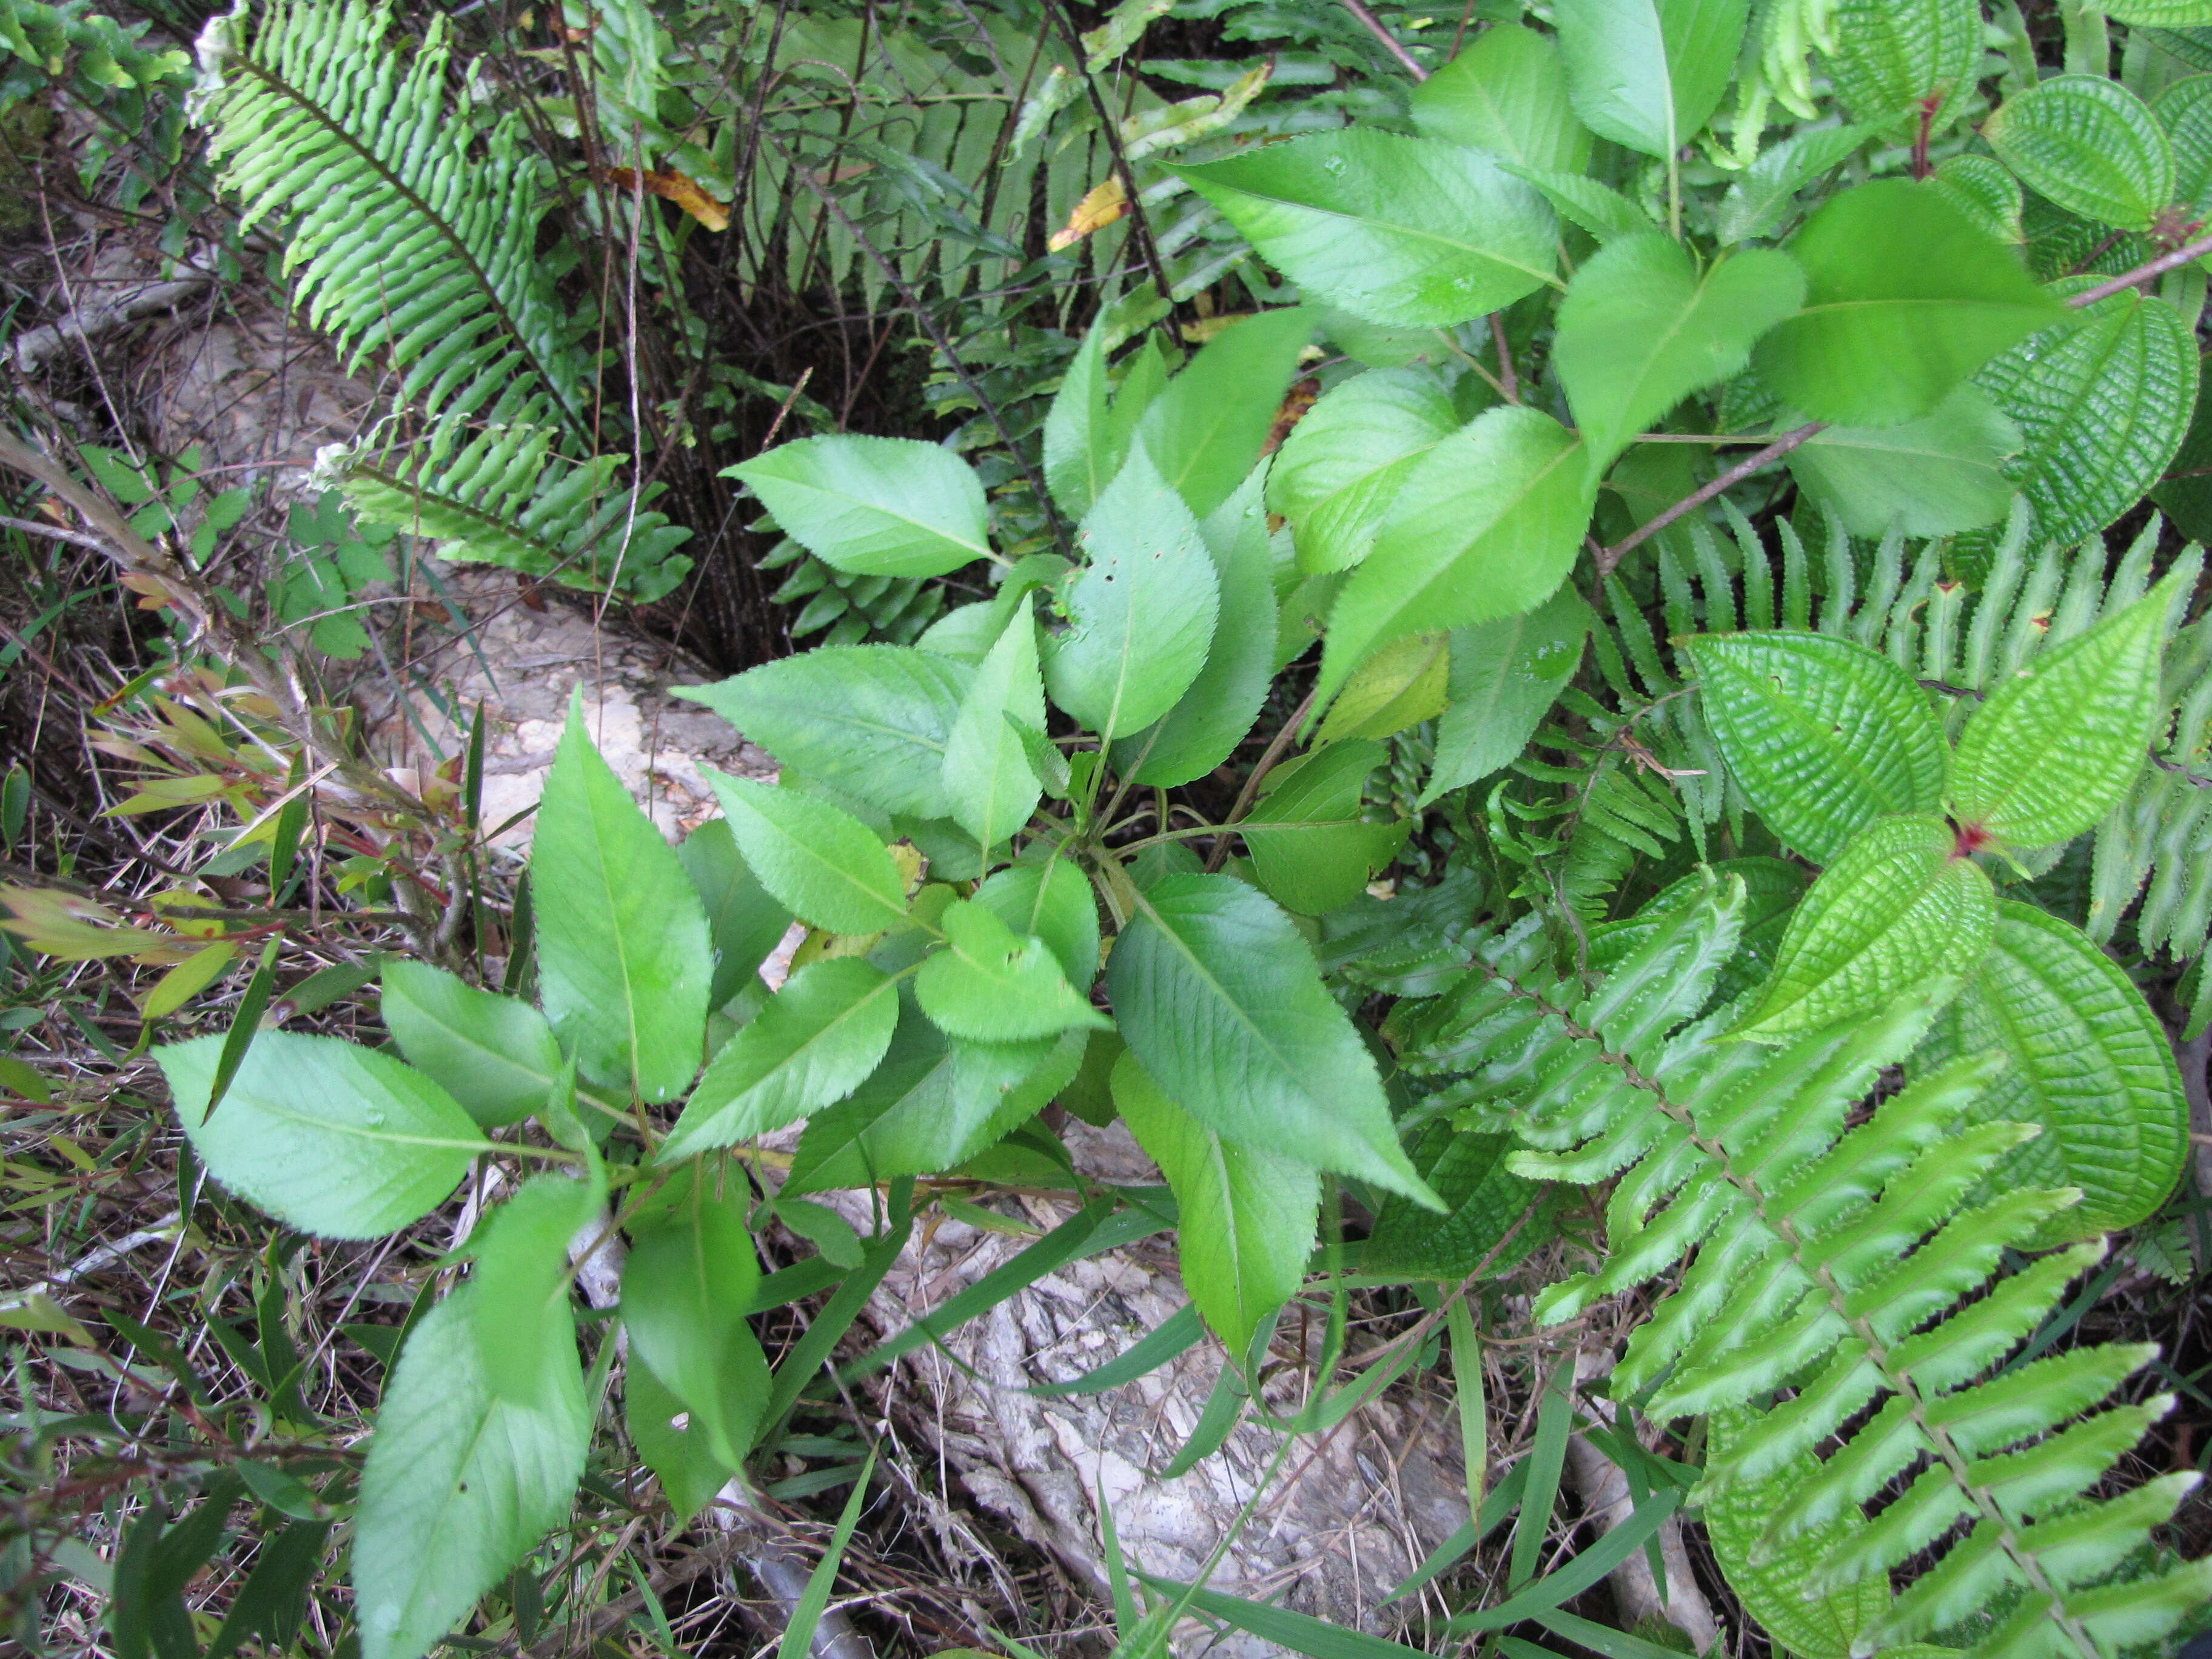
column 1402, row 686
column 1100, row 207
column 676, row 187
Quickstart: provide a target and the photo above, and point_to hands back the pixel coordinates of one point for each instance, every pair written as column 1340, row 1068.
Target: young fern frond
column 1846, row 1263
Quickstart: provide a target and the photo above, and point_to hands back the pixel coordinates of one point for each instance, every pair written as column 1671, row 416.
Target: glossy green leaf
column 987, row 778
column 1341, row 470
column 2090, row 145
column 1053, row 902
column 1943, row 473
column 1506, row 93
column 688, row 1280
column 1487, row 526
column 1905, row 297
column 495, row 1055
column 812, row 1044
column 825, row 866
column 743, row 920
column 1222, row 1002
column 2056, row 745
column 2103, row 407
column 672, row 1443
column 990, row 984
column 1893, row 57
column 1649, row 73
column 1400, row 231
column 1598, row 208
column 1641, row 328
column 624, row 962
column 1825, row 735
column 1205, row 431
column 2087, row 1060
column 460, row 1484
column 1310, row 849
column 2183, row 110
column 1141, row 613
column 521, row 1283
column 1763, row 200
column 1245, row 1214
column 337, row 1141
column 1897, row 907
column 874, row 507
column 871, row 719
column 1505, row 675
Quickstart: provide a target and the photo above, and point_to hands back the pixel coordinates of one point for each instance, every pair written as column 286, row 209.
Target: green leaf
column 2160, row 14
column 1905, row 297
column 990, row 984
column 690, row 1278
column 1312, row 852
column 1943, row 473
column 1205, row 431
column 1053, row 902
column 1899, row 907
column 458, row 1483
column 1641, row 328
column 812, row 1044
column 824, row 864
column 1341, row 468
column 1979, row 187
column 1825, row 735
column 1506, row 93
column 2090, row 145
column 1245, row 1214
column 2103, row 407
column 1487, row 525
column 744, row 920
column 689, row 1475
column 1485, row 1201
column 1598, row 209
column 1395, row 230
column 2087, row 1061
column 988, row 781
column 1649, row 73
column 1400, row 686
column 874, row 507
column 624, row 962
column 338, row 1141
column 2184, row 111
column 495, row 1055
column 1222, row 1002
column 1505, row 675
column 1894, row 56
column 1761, row 201
column 1081, row 453
column 871, row 719
column 1210, row 719
column 2056, row 746
column 521, row 1283
column 1141, row 613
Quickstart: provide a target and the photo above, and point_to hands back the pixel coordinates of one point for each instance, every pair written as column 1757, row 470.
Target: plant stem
column 1373, row 25
column 1611, row 556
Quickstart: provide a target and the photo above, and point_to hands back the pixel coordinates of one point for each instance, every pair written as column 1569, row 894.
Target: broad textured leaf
column 1898, row 908
column 1400, row 231
column 690, row 1278
column 1891, row 56
column 1763, row 200
column 824, row 864
column 990, row 984
column 1141, row 613
column 1245, row 1214
column 743, row 920
column 1222, row 1002
column 1506, row 94
column 2090, row 145
column 495, row 1055
column 337, row 1141
column 1505, row 675
column 2160, row 14
column 871, row 719
column 1053, row 902
column 1210, row 719
column 459, row 1485
column 1310, row 849
column 1341, row 468
column 1825, row 735
column 1487, row 526
column 2087, row 1061
column 2056, row 746
column 1081, row 453
column 988, row 781
column 2184, row 111
column 1205, row 430
column 521, row 1283
column 1485, row 1201
column 1905, row 297
column 1943, row 473
column 624, row 961
column 2103, row 407
column 874, row 507
column 812, row 1044
column 1641, row 328
column 1649, row 73
column 1979, row 187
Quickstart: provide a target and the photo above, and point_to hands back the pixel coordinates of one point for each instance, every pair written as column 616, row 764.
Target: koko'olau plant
column 1328, row 808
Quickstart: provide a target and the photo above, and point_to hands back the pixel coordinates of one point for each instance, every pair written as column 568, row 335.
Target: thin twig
column 1272, row 753
column 1374, row 26
column 1736, row 475
column 2143, row 273
column 1508, row 382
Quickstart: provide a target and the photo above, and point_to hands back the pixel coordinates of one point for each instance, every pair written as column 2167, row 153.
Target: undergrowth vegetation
column 1559, row 653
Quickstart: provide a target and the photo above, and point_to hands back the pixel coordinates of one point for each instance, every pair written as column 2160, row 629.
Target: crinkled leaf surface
column 1649, row 73
column 2090, row 145
column 1890, row 56
column 495, row 1055
column 874, row 507
column 825, row 866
